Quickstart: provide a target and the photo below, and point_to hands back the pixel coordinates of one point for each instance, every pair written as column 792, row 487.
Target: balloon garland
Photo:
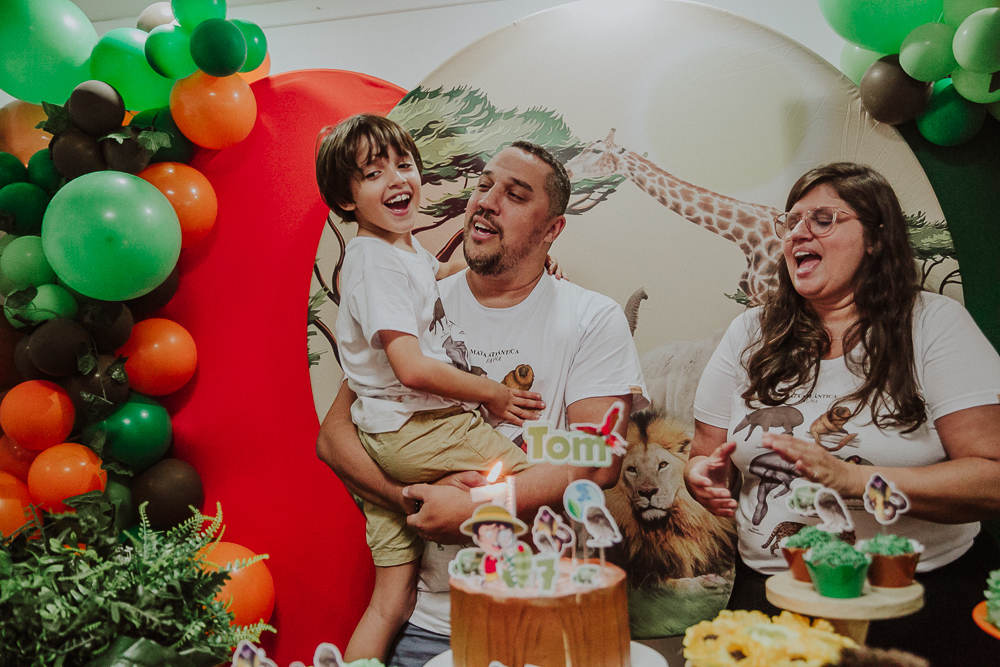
column 933, row 61
column 97, row 202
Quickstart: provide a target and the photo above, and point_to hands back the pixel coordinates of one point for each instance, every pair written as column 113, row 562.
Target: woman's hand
column 817, row 464
column 707, row 479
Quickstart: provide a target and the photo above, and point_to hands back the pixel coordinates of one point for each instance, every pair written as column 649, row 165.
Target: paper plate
column 979, row 616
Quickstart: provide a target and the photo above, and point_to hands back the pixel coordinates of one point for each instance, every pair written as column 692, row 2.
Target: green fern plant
column 70, row 590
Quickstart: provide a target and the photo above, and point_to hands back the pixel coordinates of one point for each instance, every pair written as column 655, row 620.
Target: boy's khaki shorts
column 427, row 447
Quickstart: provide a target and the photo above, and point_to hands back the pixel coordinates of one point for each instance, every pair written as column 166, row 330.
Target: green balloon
column 23, row 262
column 977, row 41
column 51, row 302
column 12, row 170
column 119, row 494
column 926, row 52
column 218, row 47
column 45, row 46
column 956, row 11
column 6, row 286
column 5, row 241
column 138, row 431
column 949, row 118
column 119, row 59
column 190, row 13
column 168, row 50
column 256, row 44
column 111, row 236
column 855, row 61
column 974, row 86
column 994, row 109
column 27, row 203
column 180, row 149
column 878, row 25
column 42, row 172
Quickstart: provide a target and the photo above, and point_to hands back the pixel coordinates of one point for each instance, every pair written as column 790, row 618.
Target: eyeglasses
column 819, row 221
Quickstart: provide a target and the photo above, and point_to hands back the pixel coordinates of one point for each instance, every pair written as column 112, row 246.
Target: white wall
column 401, row 41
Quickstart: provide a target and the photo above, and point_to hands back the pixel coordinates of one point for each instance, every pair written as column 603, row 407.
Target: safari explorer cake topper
column 495, row 532
column 884, row 500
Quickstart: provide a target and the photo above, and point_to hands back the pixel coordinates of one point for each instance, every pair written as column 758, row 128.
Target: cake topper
column 248, row 655
column 494, row 531
column 586, row 445
column 579, row 493
column 884, row 500
column 606, row 429
column 812, row 499
column 601, row 526
column 550, row 534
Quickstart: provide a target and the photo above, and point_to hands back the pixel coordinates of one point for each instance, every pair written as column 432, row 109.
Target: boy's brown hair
column 339, row 148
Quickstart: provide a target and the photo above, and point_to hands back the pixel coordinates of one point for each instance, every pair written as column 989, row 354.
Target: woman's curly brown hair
column 792, row 341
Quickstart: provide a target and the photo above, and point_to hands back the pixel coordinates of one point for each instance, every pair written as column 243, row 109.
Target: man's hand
column 444, row 505
column 514, row 405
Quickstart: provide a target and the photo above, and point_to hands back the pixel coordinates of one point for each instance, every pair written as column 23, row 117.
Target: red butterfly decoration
column 606, row 430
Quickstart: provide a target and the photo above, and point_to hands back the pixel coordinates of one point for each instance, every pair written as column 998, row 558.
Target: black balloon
column 171, row 487
column 96, row 108
column 56, row 345
column 99, row 383
column 127, row 155
column 109, row 322
column 75, row 153
column 147, row 304
column 23, row 363
column 892, row 96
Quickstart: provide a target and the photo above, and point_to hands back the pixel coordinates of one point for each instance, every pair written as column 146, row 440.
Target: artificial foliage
column 992, row 593
column 72, row 593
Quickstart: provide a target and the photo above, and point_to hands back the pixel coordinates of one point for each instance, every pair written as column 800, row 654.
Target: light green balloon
column 168, row 50
column 878, row 25
column 51, row 302
column 977, row 41
column 926, row 52
column 24, row 263
column 974, row 86
column 119, row 59
column 855, row 61
column 950, row 119
column 45, row 46
column 111, row 236
column 956, row 11
column 190, row 13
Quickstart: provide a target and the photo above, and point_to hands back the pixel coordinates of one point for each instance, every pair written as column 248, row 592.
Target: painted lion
column 667, row 534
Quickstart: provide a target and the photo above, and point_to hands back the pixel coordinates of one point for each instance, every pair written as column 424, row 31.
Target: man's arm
column 339, row 447
column 445, row 505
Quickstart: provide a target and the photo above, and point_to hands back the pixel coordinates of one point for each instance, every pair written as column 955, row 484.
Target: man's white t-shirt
column 956, row 368
column 577, row 344
column 385, row 288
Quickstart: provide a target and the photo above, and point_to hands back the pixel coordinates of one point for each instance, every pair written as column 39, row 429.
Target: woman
column 848, row 370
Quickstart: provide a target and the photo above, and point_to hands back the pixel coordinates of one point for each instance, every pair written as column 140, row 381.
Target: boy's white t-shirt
column 577, row 344
column 385, row 288
column 956, row 368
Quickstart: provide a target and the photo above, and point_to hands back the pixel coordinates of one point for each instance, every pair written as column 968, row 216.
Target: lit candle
column 491, row 493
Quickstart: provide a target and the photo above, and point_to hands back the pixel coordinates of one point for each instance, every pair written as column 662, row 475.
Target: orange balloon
column 15, row 459
column 213, row 112
column 18, row 135
column 161, row 357
column 64, row 471
column 37, row 414
column 258, row 72
column 251, row 589
column 14, row 502
column 191, row 195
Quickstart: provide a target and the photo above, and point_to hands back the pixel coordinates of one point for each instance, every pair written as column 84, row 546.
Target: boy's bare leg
column 392, row 602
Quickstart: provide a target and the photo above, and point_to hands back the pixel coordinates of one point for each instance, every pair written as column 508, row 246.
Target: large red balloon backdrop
column 246, row 421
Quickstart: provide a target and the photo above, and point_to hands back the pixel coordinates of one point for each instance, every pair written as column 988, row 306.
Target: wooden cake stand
column 849, row 616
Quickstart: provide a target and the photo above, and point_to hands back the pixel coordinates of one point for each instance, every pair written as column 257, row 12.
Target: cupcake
column 894, row 559
column 794, row 547
column 837, row 569
column 992, row 593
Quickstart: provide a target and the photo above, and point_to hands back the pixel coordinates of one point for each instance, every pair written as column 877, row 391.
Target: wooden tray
column 786, row 592
column 979, row 616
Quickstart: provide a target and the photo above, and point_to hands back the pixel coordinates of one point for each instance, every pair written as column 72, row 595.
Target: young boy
column 416, row 410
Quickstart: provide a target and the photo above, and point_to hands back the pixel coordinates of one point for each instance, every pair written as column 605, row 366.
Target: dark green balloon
column 949, row 118
column 256, row 44
column 43, row 173
column 218, row 47
column 190, row 13
column 11, row 170
column 119, row 494
column 138, row 432
column 27, row 203
column 180, row 149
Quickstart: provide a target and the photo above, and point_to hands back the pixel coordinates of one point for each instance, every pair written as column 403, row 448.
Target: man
column 518, row 323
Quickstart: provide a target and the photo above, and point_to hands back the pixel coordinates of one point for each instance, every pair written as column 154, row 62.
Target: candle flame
column 495, row 472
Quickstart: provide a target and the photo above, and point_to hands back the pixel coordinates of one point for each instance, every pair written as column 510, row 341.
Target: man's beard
column 503, row 258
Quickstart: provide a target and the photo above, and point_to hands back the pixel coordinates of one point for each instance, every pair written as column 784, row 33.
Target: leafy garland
column 72, row 594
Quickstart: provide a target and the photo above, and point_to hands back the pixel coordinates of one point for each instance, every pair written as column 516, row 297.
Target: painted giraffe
column 747, row 225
